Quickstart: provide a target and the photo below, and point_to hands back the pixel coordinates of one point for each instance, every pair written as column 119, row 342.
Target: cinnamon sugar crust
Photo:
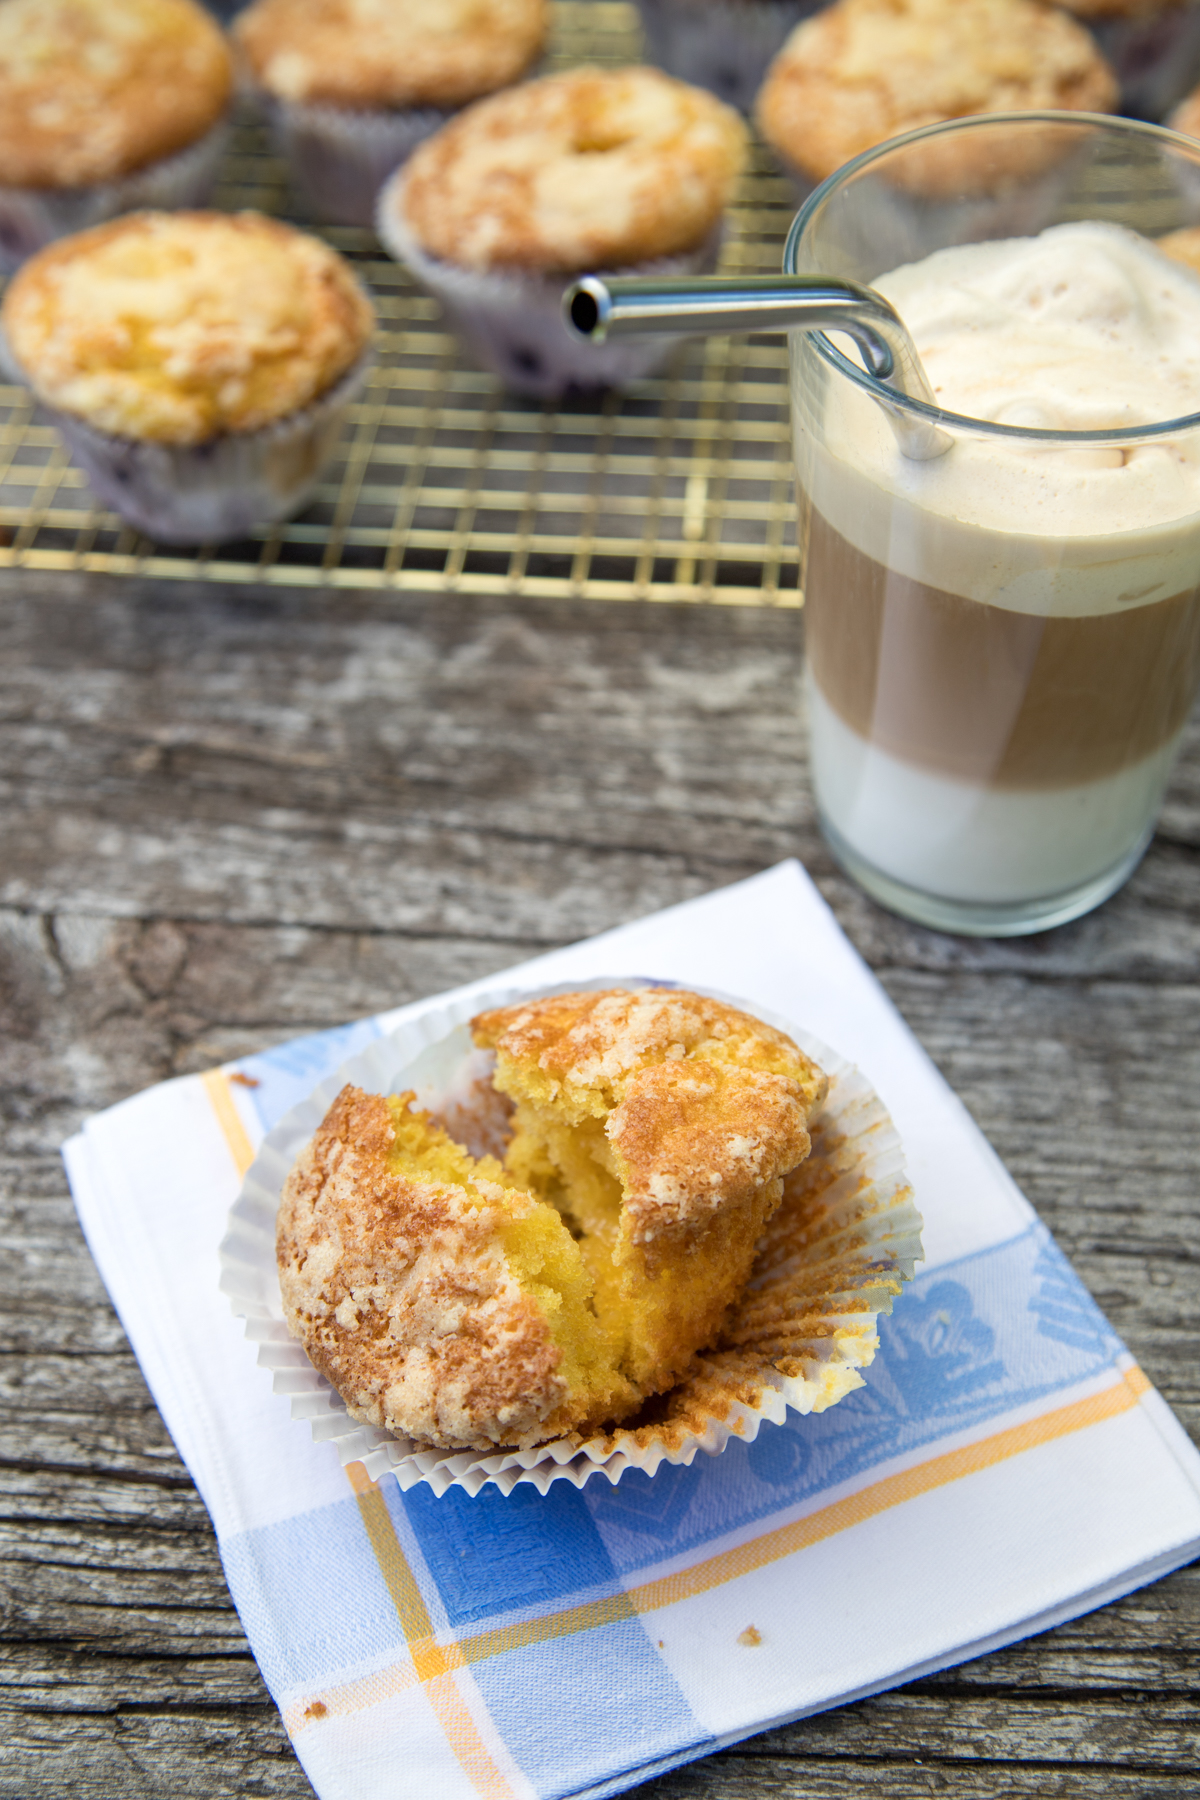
column 595, row 168
column 401, row 1293
column 177, row 326
column 865, row 70
column 91, row 90
column 390, row 53
column 701, row 1104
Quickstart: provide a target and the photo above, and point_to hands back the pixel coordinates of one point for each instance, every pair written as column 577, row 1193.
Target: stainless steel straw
column 597, row 308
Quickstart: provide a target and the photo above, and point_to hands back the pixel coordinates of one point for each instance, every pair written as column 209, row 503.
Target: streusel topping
column 865, row 70
column 592, row 169
column 90, row 90
column 178, row 326
column 390, row 53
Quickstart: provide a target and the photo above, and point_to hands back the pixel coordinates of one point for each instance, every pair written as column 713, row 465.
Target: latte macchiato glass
column 1003, row 640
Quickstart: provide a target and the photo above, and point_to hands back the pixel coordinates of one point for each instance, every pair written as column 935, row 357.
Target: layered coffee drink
column 1004, row 641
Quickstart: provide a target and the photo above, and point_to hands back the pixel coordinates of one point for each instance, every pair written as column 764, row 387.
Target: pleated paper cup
column 339, row 157
column 223, row 488
column 833, row 1258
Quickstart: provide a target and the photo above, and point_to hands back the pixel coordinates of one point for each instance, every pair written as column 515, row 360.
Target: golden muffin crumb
column 424, row 1288
column 178, row 326
column 865, row 70
column 467, row 1302
column 390, row 53
column 661, row 1124
column 92, row 89
column 596, row 168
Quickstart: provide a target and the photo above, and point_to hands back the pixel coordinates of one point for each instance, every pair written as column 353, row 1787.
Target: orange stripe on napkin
column 923, row 1479
column 216, row 1086
column 434, row 1663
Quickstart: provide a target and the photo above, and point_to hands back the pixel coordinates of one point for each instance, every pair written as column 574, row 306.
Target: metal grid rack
column 678, row 490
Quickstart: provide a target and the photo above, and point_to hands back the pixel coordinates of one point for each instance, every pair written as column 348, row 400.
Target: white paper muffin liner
column 725, row 46
column 339, row 157
column 1155, row 56
column 31, row 218
column 830, row 1262
column 223, row 488
column 513, row 322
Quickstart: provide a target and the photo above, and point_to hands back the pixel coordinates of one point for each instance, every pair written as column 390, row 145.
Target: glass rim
column 962, row 422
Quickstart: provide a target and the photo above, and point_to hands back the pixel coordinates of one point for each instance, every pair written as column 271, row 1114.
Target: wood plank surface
column 230, row 816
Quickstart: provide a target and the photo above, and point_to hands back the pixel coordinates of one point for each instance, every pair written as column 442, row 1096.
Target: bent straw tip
column 586, row 308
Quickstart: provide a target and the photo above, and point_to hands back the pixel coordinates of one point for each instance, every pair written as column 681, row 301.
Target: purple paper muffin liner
column 722, row 45
column 513, row 322
column 1155, row 56
column 31, row 218
column 340, row 157
column 223, row 488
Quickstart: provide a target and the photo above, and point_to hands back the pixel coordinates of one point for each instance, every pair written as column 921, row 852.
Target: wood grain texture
column 229, row 817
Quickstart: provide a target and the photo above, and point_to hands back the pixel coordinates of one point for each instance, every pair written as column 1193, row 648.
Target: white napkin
column 1006, row 1465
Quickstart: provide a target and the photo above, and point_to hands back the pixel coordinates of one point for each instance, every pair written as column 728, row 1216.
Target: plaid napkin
column 1005, row 1467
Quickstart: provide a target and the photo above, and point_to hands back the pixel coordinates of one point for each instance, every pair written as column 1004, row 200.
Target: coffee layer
column 988, row 694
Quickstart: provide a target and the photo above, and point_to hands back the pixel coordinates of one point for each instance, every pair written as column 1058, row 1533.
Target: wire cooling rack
column 678, row 490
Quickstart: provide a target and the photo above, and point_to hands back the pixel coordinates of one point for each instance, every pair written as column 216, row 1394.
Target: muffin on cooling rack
column 864, row 70
column 722, row 45
column 105, row 105
column 593, row 170
column 198, row 364
column 1153, row 47
column 352, row 85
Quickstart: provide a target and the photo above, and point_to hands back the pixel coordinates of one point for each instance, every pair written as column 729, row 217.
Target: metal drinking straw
column 597, row 307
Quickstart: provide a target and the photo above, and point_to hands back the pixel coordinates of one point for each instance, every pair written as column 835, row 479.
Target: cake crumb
column 750, row 1637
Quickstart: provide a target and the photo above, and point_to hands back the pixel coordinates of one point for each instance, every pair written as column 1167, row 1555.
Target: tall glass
column 995, row 697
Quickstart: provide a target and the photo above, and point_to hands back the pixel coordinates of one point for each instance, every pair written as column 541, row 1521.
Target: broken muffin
column 472, row 1303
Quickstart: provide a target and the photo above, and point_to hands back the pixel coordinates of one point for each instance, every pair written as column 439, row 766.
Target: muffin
column 470, row 1303
column 105, row 105
column 866, row 70
column 722, row 45
column 1153, row 47
column 622, row 170
column 352, row 85
column 198, row 364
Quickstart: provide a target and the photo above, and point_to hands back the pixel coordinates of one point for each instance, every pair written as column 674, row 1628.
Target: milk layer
column 967, row 841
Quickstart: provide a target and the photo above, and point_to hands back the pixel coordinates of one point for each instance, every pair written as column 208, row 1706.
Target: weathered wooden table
column 230, row 816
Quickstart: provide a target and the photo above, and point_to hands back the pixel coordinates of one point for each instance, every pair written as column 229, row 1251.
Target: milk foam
column 1085, row 328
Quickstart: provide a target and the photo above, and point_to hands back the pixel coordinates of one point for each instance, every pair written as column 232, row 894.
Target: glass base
column 975, row 918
